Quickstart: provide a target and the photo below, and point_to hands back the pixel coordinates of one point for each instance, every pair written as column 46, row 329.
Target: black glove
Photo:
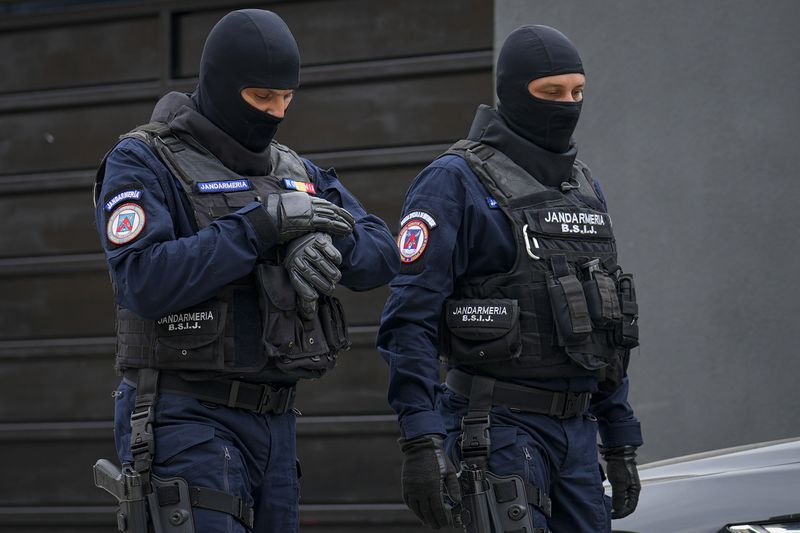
column 624, row 479
column 428, row 476
column 297, row 213
column 311, row 262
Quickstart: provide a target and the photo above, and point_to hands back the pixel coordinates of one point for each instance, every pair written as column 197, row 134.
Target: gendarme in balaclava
column 247, row 48
column 530, row 53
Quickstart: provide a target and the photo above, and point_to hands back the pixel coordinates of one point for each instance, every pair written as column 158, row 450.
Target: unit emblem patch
column 412, row 240
column 125, row 223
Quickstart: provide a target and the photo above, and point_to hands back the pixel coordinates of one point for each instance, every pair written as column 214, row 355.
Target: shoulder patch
column 131, row 193
column 421, row 215
column 492, row 203
column 412, row 240
column 125, row 223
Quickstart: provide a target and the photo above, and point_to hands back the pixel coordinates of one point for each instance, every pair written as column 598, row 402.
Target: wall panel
column 386, row 86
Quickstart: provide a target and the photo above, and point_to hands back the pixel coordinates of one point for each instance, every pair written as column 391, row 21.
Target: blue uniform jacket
column 471, row 237
column 171, row 265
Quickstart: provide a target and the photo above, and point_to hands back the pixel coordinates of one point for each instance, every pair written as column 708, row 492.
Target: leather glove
column 624, row 478
column 428, row 476
column 311, row 262
column 297, row 213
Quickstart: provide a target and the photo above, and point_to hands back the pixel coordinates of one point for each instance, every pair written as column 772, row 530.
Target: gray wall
column 689, row 122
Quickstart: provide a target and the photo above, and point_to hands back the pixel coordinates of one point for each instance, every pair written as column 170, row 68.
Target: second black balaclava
column 246, row 48
column 529, row 53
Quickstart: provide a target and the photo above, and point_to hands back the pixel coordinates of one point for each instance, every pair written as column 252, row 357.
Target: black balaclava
column 246, row 48
column 529, row 53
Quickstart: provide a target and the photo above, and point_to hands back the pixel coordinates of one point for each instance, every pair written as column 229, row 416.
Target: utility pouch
column 627, row 333
column 334, row 323
column 292, row 341
column 192, row 339
column 481, row 330
column 568, row 304
column 602, row 299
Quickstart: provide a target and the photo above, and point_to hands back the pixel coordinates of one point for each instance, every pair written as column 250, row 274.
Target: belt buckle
column 475, row 438
column 574, row 404
column 276, row 400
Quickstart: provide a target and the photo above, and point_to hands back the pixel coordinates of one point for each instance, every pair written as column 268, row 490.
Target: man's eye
column 263, row 96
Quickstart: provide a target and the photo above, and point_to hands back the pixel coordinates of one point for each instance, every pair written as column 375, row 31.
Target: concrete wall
column 690, row 123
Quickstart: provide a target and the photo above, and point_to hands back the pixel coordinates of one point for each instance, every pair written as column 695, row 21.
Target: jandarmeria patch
column 412, row 240
column 575, row 222
column 121, row 196
column 224, row 186
column 125, row 223
column 422, row 215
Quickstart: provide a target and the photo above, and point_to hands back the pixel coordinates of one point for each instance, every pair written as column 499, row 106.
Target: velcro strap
column 224, row 502
column 505, row 492
column 539, row 499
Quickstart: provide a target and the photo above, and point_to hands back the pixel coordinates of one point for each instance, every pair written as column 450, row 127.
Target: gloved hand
column 428, row 475
column 311, row 262
column 297, row 213
column 624, row 478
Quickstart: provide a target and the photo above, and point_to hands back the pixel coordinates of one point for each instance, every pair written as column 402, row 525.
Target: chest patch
column 575, row 222
column 224, row 186
column 412, row 240
column 302, row 186
column 125, row 223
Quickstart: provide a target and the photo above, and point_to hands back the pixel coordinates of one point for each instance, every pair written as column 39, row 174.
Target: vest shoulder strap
column 146, row 133
column 285, row 163
column 504, row 178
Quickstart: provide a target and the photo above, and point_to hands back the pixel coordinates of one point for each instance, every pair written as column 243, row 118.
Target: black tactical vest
column 251, row 330
column 565, row 308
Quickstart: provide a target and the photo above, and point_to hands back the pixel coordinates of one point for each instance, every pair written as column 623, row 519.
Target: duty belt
column 525, row 399
column 259, row 398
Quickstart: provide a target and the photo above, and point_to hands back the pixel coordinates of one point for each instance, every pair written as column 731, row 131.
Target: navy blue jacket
column 171, row 265
column 472, row 237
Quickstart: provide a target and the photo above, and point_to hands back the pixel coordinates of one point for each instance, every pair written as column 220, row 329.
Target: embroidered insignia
column 224, row 186
column 131, row 194
column 302, row 186
column 575, row 222
column 492, row 203
column 412, row 240
column 125, row 223
column 422, row 215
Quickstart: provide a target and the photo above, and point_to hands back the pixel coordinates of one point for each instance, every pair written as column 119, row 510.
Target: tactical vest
column 565, row 308
column 251, row 329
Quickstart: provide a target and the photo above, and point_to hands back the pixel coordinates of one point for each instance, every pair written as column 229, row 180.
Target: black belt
column 263, row 399
column 527, row 399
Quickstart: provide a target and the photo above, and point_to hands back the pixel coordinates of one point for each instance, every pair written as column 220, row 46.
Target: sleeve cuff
column 621, row 434
column 422, row 423
column 262, row 224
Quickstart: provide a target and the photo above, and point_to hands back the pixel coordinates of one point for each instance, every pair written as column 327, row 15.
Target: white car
column 747, row 489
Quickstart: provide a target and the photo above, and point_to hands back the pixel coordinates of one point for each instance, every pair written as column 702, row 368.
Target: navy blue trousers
column 558, row 456
column 246, row 454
